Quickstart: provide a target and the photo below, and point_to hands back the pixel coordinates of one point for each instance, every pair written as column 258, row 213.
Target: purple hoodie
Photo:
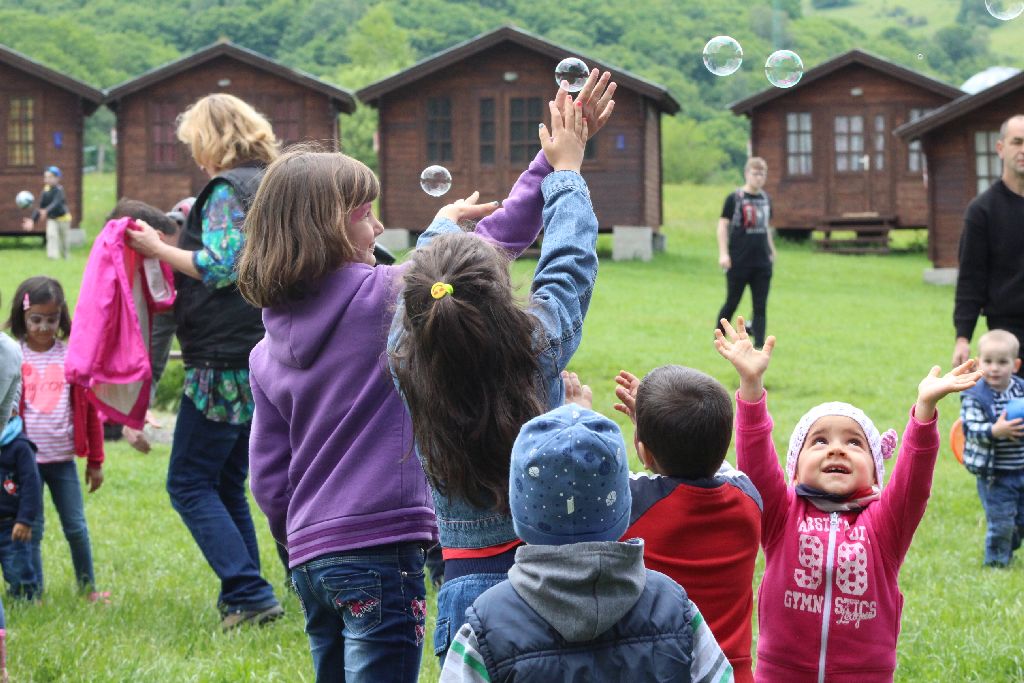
column 330, row 454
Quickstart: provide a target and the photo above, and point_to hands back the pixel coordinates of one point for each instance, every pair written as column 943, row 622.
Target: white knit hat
column 882, row 445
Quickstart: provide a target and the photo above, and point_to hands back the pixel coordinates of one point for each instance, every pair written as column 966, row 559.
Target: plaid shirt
column 984, row 454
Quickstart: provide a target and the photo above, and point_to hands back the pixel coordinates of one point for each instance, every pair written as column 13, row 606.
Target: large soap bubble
column 784, row 68
column 435, row 180
column 723, row 55
column 1005, row 10
column 572, row 70
column 24, row 199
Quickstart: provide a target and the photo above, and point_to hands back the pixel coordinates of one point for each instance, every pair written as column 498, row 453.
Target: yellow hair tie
column 439, row 289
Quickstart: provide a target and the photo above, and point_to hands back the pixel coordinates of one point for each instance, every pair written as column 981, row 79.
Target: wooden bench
column 870, row 233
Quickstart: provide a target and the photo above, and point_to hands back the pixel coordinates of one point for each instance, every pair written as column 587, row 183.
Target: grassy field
column 860, row 329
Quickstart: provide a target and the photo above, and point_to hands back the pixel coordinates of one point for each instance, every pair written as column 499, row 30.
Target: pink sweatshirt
column 829, row 606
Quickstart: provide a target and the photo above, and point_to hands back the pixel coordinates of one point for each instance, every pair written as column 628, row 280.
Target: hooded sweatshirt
column 330, row 454
column 10, row 377
column 578, row 611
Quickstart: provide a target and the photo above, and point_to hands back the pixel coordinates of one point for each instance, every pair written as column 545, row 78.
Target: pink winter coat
column 108, row 352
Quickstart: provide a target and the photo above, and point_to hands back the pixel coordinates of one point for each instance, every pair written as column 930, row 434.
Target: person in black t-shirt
column 991, row 277
column 746, row 251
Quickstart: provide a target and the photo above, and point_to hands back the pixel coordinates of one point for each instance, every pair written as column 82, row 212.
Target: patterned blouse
column 220, row 395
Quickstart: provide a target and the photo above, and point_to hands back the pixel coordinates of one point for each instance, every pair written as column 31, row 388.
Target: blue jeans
column 365, row 613
column 66, row 493
column 16, row 560
column 206, row 482
column 453, row 599
column 1003, row 501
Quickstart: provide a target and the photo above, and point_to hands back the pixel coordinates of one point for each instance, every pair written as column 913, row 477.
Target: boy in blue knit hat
column 578, row 605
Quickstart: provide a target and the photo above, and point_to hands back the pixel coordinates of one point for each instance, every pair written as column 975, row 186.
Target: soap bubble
column 920, row 56
column 572, row 70
column 24, row 199
column 723, row 55
column 1005, row 10
column 435, row 180
column 784, row 68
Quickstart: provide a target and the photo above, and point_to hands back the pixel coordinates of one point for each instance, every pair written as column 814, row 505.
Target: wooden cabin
column 833, row 162
column 154, row 167
column 42, row 114
column 959, row 143
column 474, row 109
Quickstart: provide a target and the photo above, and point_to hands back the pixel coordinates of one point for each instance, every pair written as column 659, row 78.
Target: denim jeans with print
column 66, row 492
column 365, row 613
column 453, row 599
column 1002, row 497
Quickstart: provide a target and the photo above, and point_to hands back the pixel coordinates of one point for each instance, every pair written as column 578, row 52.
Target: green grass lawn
column 860, row 329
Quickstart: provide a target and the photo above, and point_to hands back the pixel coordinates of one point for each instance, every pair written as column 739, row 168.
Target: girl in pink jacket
column 829, row 605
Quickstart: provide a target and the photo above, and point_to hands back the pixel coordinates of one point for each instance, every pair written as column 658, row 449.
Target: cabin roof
column 91, row 97
column 958, row 108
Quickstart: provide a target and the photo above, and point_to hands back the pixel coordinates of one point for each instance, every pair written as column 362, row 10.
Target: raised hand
column 735, row 346
column 467, row 209
column 596, row 98
column 936, row 385
column 626, row 393
column 565, row 143
column 575, row 391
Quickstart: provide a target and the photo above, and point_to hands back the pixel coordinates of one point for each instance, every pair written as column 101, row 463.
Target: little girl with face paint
column 834, row 539
column 60, row 420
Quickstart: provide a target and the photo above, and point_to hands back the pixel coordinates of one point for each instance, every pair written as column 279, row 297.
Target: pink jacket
column 829, row 606
column 108, row 352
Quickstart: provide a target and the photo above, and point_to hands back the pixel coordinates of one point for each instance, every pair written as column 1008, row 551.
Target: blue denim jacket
column 559, row 298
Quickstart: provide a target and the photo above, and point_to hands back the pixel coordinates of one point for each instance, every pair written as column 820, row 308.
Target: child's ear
column 645, row 455
column 1016, row 366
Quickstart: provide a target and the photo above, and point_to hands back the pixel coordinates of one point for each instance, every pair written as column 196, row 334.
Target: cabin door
column 506, row 125
column 861, row 165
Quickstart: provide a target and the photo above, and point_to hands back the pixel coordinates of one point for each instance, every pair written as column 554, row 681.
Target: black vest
column 217, row 328
column 652, row 642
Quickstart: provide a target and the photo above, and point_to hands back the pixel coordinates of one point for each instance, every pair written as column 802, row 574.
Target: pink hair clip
column 25, row 303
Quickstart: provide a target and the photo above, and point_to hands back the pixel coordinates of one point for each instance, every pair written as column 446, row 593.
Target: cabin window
column 988, row 166
column 524, row 118
column 798, row 143
column 849, row 142
column 439, row 129
column 488, row 131
column 286, row 120
column 164, row 134
column 879, row 142
column 915, row 157
column 21, row 132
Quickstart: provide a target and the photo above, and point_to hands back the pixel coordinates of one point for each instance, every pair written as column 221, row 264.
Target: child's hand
column 565, row 144
column 596, row 97
column 935, row 386
column 1008, row 429
column 750, row 363
column 27, row 224
column 467, row 209
column 575, row 391
column 136, row 438
column 21, row 533
column 93, row 478
column 626, row 392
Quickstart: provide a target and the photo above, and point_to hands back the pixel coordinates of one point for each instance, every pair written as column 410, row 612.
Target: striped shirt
column 47, row 403
column 1009, row 454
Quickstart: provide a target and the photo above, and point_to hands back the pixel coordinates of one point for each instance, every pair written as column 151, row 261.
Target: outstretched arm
column 750, row 363
column 626, row 390
column 935, row 386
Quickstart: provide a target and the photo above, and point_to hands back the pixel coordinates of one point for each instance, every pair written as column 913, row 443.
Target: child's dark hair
column 40, row 290
column 684, row 418
column 132, row 208
column 467, row 367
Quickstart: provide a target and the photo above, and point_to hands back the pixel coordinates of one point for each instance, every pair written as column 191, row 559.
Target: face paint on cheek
column 360, row 212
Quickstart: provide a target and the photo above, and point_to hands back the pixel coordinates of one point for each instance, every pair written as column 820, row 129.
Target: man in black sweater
column 991, row 278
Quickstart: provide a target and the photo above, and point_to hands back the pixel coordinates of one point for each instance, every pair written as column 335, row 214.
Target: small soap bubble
column 24, row 199
column 920, row 56
column 723, row 55
column 572, row 70
column 1005, row 10
column 435, row 180
column 784, row 68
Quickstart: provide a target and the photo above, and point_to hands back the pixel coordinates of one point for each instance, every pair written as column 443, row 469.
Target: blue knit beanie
column 54, row 170
column 569, row 479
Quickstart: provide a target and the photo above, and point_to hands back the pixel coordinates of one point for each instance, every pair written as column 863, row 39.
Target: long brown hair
column 295, row 231
column 39, row 290
column 467, row 367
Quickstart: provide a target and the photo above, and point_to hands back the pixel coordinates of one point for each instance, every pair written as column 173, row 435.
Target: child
column 579, row 605
column 993, row 451
column 59, row 419
column 53, row 209
column 700, row 519
column 829, row 605
column 473, row 366
column 21, row 503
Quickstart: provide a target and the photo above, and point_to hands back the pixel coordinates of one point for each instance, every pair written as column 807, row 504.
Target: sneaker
column 236, row 618
column 98, row 597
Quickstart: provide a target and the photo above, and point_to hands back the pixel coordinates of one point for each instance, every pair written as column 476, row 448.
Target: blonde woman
column 209, row 462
